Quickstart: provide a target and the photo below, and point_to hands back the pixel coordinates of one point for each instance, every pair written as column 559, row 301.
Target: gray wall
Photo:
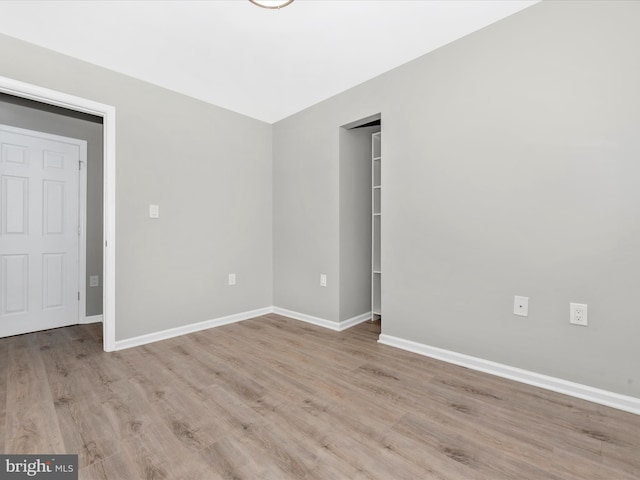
column 209, row 169
column 355, row 221
column 510, row 168
column 31, row 115
column 306, row 217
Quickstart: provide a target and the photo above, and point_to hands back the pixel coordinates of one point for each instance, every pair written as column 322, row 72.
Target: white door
column 39, row 230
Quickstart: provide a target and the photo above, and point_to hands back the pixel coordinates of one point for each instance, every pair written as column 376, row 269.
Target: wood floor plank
column 26, row 379
column 32, row 428
column 30, row 425
column 274, row 398
column 86, row 428
column 116, row 466
column 228, row 460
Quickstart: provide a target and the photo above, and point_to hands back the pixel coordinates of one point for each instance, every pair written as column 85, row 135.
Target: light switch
column 521, row 306
column 154, row 211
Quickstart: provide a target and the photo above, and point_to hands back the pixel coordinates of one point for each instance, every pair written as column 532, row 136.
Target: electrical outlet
column 578, row 314
column 94, row 281
column 232, row 279
column 323, row 280
column 521, row 306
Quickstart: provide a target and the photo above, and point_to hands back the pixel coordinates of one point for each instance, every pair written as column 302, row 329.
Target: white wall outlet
column 154, row 211
column 521, row 306
column 578, row 314
column 94, row 281
column 232, row 279
column 323, row 280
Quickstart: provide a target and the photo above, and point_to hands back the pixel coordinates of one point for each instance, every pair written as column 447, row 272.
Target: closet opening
column 361, row 219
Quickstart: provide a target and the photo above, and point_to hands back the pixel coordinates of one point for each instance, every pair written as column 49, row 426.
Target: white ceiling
column 267, row 64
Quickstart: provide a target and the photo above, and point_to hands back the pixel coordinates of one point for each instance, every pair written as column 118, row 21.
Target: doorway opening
column 51, row 120
column 107, row 113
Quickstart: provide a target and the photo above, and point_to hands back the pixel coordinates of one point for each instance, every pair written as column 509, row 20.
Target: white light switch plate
column 521, row 306
column 94, row 281
column 154, row 211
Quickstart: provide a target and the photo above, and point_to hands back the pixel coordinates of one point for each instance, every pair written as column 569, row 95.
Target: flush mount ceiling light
column 271, row 4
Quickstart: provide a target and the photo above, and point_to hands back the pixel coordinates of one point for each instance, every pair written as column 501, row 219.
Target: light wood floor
column 273, row 398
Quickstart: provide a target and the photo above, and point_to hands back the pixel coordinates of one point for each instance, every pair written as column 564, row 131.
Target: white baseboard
column 307, row 318
column 584, row 392
column 191, row 328
column 353, row 321
column 91, row 319
column 196, row 327
column 337, row 326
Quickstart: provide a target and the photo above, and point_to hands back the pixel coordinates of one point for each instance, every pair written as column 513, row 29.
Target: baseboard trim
column 191, row 328
column 307, row 318
column 321, row 322
column 238, row 317
column 353, row 321
column 584, row 392
column 91, row 319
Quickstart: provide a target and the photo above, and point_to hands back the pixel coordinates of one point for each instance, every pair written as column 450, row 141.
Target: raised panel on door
column 53, row 160
column 15, row 284
column 15, row 205
column 53, row 268
column 15, row 154
column 53, row 208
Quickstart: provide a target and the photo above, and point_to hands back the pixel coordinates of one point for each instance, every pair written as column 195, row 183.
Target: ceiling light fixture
column 271, row 4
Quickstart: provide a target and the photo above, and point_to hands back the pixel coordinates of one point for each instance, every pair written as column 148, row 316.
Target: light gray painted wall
column 44, row 118
column 510, row 168
column 210, row 171
column 305, row 218
column 355, row 221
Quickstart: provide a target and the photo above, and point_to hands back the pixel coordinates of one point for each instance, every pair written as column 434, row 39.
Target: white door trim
column 108, row 114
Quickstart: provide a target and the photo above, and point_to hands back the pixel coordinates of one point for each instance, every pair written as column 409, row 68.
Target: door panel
column 53, row 206
column 15, row 281
column 39, row 234
column 15, row 205
column 53, row 267
column 15, row 154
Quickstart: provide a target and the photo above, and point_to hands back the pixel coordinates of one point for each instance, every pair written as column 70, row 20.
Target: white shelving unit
column 376, row 202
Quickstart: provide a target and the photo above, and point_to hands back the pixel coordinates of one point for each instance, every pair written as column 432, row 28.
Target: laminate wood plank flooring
column 274, row 398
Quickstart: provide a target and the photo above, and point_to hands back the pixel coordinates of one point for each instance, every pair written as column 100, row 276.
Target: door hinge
column 79, row 164
column 78, row 296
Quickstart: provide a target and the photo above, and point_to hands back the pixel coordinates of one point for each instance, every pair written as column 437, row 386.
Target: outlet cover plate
column 521, row 306
column 578, row 314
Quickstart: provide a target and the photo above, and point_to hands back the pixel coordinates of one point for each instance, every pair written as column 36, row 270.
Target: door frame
column 82, row 207
column 108, row 114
